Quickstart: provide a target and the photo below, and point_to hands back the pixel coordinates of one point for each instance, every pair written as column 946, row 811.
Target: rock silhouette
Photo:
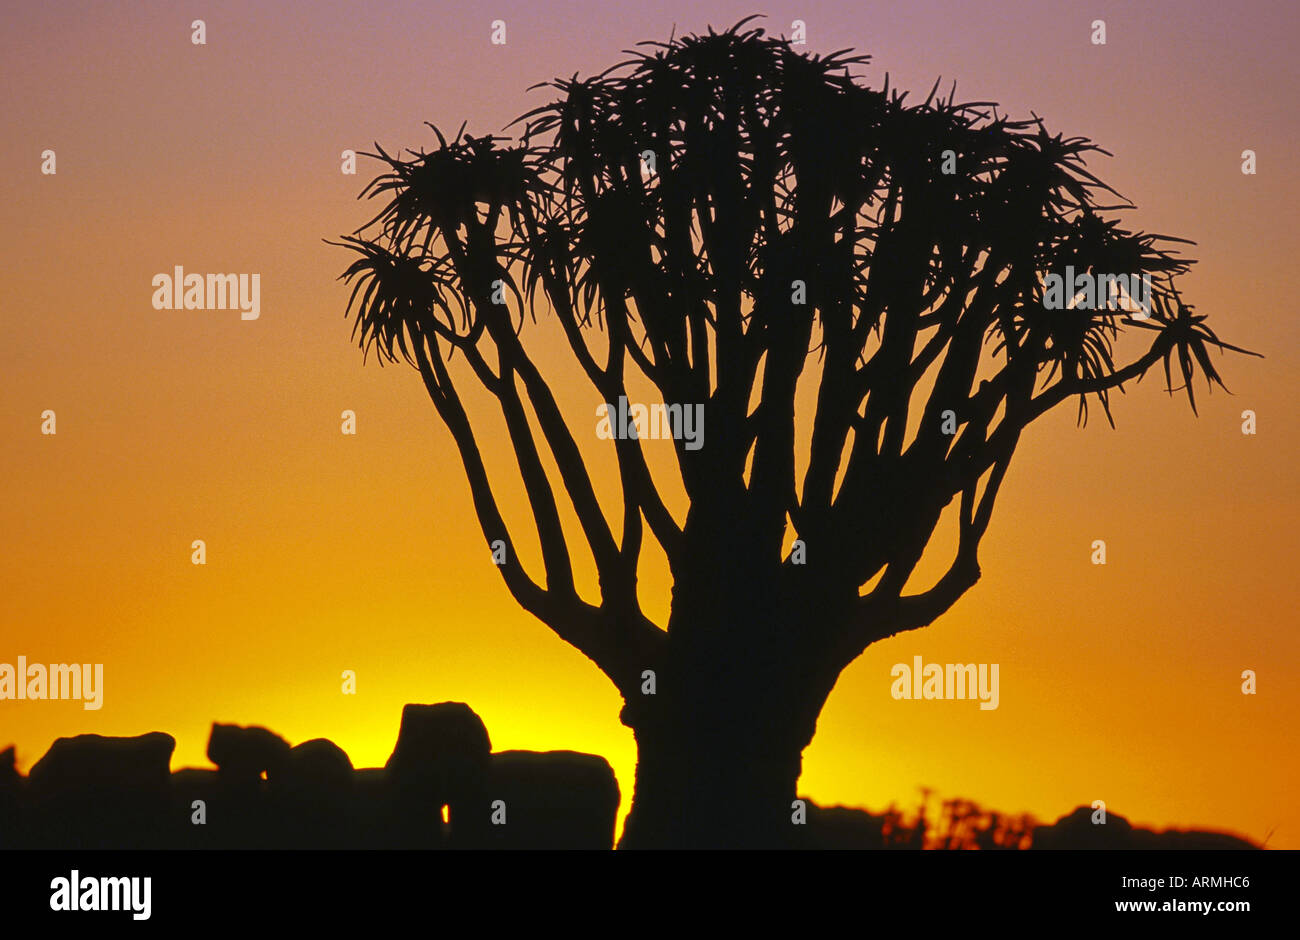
column 442, row 788
column 441, row 759
column 312, row 796
column 1078, row 831
column 10, row 784
column 244, row 754
column 839, row 827
column 314, row 765
column 92, row 791
column 98, row 792
column 95, row 761
column 554, row 799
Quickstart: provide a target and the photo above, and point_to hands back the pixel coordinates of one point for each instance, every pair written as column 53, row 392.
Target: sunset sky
column 329, row 552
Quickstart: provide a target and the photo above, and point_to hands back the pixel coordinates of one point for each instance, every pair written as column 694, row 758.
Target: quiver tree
column 723, row 217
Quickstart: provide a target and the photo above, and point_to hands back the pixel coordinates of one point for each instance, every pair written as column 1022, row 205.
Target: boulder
column 318, row 764
column 10, row 782
column 441, row 759
column 140, row 763
column 310, row 794
column 96, row 792
column 442, row 752
column 553, row 800
column 840, row 827
column 244, row 754
column 1077, row 831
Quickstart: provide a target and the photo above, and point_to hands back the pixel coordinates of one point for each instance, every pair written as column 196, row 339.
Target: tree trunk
column 720, row 781
column 752, row 654
column 720, row 744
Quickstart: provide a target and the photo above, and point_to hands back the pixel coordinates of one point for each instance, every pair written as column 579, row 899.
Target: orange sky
column 328, row 552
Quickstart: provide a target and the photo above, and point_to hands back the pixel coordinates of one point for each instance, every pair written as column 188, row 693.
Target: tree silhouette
column 787, row 224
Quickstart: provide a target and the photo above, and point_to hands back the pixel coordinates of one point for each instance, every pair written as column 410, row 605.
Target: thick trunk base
column 715, row 785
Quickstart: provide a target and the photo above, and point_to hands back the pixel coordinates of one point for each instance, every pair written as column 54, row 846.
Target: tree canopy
column 722, row 215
